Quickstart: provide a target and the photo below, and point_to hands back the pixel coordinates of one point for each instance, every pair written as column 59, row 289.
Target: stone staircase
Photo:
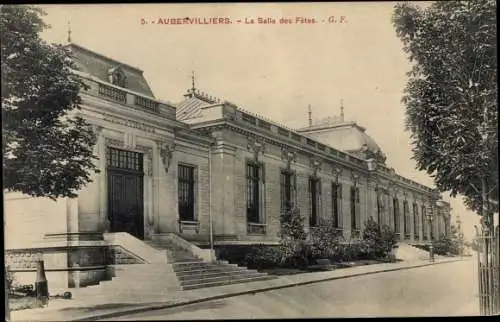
column 167, row 267
column 411, row 253
column 194, row 273
column 154, row 281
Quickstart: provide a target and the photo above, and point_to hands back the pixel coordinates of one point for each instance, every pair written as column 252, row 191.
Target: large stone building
column 203, row 166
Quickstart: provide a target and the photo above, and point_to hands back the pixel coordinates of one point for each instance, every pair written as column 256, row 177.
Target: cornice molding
column 297, row 146
column 116, row 110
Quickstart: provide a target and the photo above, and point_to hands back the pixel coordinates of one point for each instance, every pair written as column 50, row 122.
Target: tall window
column 336, row 203
column 314, row 197
column 354, row 206
column 406, row 223
column 416, row 228
column 422, row 220
column 253, row 191
column 185, row 188
column 395, row 207
column 288, row 187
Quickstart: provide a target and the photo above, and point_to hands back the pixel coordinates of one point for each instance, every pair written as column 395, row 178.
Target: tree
column 47, row 147
column 448, row 244
column 451, row 96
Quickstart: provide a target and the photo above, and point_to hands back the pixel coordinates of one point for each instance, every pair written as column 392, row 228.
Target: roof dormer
column 117, row 76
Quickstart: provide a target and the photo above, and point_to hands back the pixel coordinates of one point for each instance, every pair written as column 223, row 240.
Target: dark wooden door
column 125, row 193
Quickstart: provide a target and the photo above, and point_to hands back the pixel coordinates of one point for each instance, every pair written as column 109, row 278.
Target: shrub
column 352, row 252
column 373, row 240
column 235, row 254
column 389, row 240
column 445, row 245
column 324, row 240
column 295, row 250
column 263, row 257
column 292, row 225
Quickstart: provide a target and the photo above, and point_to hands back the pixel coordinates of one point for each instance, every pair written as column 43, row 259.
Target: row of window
column 288, row 194
column 254, row 193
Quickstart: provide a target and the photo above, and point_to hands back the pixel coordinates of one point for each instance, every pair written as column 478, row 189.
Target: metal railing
column 488, row 261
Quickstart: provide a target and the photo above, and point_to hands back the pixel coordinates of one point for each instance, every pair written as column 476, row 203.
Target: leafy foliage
column 372, row 238
column 447, row 244
column 325, row 239
column 263, row 257
column 378, row 242
column 451, row 95
column 292, row 225
column 295, row 250
column 47, row 147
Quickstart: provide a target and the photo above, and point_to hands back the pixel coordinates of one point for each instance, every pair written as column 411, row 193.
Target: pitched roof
column 345, row 136
column 192, row 105
column 100, row 66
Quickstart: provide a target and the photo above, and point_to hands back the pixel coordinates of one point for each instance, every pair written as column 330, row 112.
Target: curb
column 233, row 294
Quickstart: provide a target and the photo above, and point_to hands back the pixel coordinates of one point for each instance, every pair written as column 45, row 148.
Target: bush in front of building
column 373, row 240
column 264, row 258
column 325, row 240
column 296, row 251
column 445, row 246
column 377, row 243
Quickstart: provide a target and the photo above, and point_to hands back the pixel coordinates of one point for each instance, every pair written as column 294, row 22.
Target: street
column 438, row 290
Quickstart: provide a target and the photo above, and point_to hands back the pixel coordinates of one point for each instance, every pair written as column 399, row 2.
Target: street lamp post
column 431, row 247
column 460, row 236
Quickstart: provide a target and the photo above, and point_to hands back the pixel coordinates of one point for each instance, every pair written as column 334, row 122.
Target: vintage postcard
column 247, row 161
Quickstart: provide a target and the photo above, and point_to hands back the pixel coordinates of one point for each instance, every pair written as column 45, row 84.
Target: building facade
column 205, row 168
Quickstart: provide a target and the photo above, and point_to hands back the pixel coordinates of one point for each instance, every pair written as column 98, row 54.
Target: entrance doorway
column 125, row 176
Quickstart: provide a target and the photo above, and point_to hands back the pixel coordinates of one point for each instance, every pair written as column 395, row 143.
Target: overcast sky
column 272, row 69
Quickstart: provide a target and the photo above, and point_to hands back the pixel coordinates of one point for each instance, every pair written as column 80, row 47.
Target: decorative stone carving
column 336, row 172
column 129, row 141
column 97, row 129
column 129, row 123
column 289, row 157
column 355, row 179
column 114, row 143
column 257, row 146
column 230, row 116
column 316, row 166
column 166, row 153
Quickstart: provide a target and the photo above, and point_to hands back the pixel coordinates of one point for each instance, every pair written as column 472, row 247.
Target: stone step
column 221, row 283
column 204, row 274
column 222, row 278
column 194, row 270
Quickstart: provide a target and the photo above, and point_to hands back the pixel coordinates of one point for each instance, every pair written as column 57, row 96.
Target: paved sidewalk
column 85, row 309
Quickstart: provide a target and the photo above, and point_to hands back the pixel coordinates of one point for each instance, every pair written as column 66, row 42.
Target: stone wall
column 27, row 219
